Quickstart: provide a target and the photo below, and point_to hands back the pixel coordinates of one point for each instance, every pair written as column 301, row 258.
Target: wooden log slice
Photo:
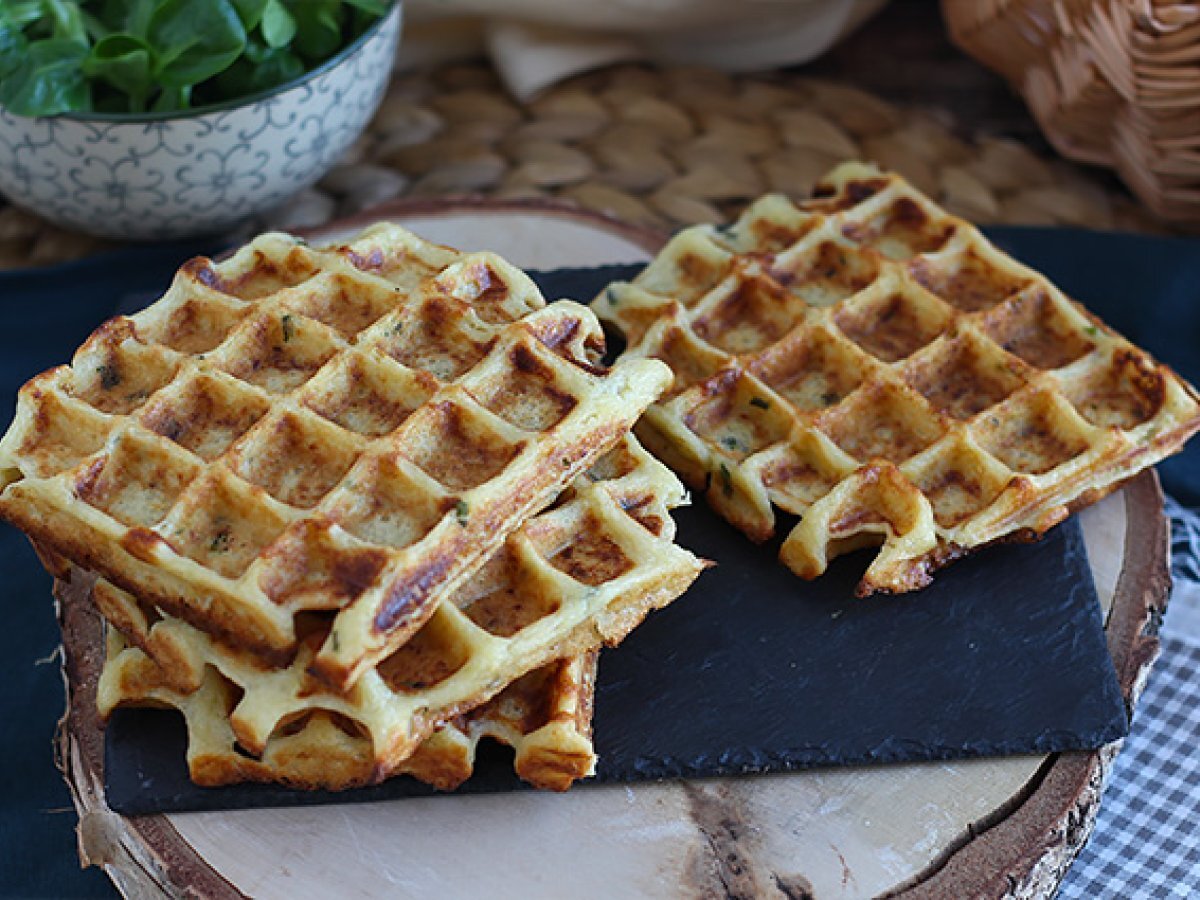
column 975, row 828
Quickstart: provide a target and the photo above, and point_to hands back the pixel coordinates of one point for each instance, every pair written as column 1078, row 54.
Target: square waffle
column 545, row 716
column 347, row 432
column 581, row 573
column 871, row 364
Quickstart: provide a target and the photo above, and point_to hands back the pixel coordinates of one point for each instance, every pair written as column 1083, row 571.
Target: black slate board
column 755, row 671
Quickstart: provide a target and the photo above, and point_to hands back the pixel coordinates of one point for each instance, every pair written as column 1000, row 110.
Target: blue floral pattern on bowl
column 199, row 173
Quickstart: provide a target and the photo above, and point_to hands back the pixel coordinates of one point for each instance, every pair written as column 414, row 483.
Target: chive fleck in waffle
column 871, row 364
column 347, row 433
column 581, row 573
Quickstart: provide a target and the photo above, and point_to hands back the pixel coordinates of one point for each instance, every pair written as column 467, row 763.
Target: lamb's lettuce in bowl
column 138, row 56
column 163, row 118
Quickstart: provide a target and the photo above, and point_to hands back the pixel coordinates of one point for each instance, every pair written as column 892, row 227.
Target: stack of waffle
column 350, row 510
column 871, row 364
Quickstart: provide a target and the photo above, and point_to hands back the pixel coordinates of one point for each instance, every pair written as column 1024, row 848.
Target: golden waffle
column 581, row 573
column 873, row 365
column 545, row 716
column 350, row 431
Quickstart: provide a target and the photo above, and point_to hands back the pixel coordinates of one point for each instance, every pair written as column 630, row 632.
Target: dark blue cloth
column 47, row 313
column 1148, row 288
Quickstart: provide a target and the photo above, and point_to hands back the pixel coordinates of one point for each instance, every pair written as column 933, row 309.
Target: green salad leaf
column 12, row 50
column 278, row 26
column 260, row 69
column 195, row 40
column 21, row 12
column 131, row 56
column 318, row 27
column 68, row 20
column 250, row 12
column 125, row 62
column 47, row 80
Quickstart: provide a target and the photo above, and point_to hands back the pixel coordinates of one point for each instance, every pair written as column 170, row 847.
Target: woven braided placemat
column 665, row 147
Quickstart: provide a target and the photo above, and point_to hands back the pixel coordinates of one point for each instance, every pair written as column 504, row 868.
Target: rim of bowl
column 247, row 99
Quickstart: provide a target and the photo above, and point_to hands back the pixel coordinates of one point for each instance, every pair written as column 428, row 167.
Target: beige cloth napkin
column 535, row 43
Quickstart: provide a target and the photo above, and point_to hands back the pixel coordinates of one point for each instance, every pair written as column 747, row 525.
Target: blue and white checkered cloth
column 1147, row 838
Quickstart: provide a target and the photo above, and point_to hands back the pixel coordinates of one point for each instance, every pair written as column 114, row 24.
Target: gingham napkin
column 1147, row 837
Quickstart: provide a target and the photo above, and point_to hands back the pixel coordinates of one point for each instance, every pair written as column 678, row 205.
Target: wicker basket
column 1111, row 82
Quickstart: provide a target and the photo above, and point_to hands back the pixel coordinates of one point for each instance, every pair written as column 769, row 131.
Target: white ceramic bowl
column 172, row 175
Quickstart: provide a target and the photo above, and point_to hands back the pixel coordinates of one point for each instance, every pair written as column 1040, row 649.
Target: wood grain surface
column 986, row 828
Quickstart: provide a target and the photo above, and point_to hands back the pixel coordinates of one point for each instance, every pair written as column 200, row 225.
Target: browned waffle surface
column 581, row 573
column 871, row 364
column 545, row 716
column 342, row 433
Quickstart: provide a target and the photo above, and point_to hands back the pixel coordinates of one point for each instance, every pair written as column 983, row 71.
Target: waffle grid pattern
column 583, row 572
column 871, row 364
column 347, row 432
column 545, row 716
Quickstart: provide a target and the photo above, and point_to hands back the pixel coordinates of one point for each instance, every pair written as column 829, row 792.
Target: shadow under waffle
column 755, row 671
